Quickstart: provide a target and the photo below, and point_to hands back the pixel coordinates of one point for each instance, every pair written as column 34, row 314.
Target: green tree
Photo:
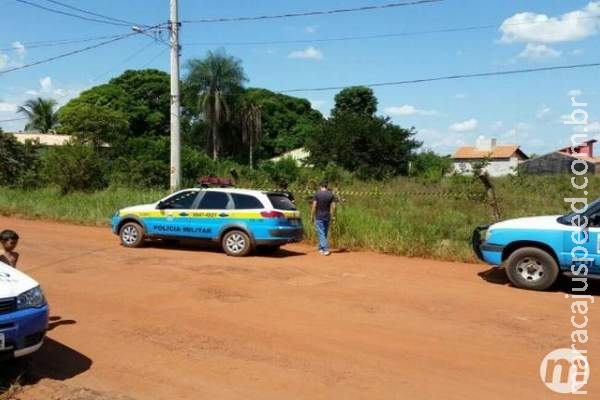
column 358, row 100
column 211, row 84
column 40, row 114
column 372, row 147
column 431, row 165
column 287, row 122
column 96, row 124
column 13, row 159
column 251, row 127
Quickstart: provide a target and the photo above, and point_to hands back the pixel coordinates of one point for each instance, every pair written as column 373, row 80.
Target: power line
column 450, row 77
column 311, row 13
column 47, row 60
column 124, row 61
column 58, row 42
column 13, row 119
column 92, row 13
column 53, row 10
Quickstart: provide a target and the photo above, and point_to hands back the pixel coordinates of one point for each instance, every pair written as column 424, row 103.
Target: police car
column 240, row 220
column 536, row 250
column 23, row 314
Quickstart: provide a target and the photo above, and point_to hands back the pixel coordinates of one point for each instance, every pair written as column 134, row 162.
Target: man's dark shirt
column 324, row 198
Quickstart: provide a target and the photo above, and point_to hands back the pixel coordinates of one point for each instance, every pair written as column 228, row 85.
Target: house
column 45, row 139
column 501, row 160
column 561, row 160
column 299, row 155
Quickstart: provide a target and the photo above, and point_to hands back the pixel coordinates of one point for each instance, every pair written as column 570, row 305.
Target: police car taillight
column 272, row 214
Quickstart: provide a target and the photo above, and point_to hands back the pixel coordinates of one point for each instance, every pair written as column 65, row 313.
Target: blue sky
column 524, row 109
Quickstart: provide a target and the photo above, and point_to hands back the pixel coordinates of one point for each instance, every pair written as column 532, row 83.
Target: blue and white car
column 23, row 314
column 536, row 250
column 240, row 220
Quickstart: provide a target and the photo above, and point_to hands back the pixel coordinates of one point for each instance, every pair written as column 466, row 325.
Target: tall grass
column 409, row 217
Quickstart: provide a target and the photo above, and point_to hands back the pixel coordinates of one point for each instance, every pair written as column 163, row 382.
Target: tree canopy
column 40, row 114
column 358, row 100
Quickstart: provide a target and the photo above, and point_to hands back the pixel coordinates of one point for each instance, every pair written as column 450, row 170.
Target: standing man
column 323, row 212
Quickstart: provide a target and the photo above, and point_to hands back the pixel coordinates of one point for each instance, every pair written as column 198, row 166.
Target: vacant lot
column 192, row 323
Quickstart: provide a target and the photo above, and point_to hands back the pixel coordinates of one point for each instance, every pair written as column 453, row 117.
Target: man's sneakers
column 324, row 252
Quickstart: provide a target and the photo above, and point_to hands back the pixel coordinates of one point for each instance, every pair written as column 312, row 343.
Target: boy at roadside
column 8, row 243
column 323, row 213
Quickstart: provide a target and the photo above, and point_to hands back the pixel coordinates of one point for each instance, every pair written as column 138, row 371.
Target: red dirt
column 192, row 323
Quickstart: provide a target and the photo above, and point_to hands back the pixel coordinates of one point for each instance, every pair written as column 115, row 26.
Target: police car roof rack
column 213, row 181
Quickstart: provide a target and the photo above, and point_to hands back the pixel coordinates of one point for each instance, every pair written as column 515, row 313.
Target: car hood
column 13, row 282
column 138, row 209
column 544, row 222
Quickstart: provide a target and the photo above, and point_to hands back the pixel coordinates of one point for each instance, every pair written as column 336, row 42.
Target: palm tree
column 251, row 124
column 40, row 113
column 210, row 81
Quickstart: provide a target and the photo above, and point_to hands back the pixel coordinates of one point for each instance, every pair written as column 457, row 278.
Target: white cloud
column 20, row 49
column 8, row 107
column 538, row 52
column 460, row 96
column 3, row 60
column 408, row 110
column 46, row 84
column 311, row 29
column 528, row 27
column 439, row 141
column 464, row 126
column 310, row 53
column 543, row 112
column 496, row 126
column 575, row 93
column 577, row 52
column 317, row 104
column 590, row 127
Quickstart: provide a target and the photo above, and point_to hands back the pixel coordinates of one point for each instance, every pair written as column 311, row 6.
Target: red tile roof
column 504, row 151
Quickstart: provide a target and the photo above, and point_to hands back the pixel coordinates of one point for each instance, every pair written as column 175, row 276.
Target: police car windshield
column 593, row 207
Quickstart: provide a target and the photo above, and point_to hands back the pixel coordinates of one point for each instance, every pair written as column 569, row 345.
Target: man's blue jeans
column 322, row 227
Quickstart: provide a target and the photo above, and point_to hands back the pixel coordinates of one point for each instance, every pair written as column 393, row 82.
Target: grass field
column 409, row 217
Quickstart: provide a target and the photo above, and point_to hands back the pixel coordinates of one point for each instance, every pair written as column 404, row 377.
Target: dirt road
column 192, row 323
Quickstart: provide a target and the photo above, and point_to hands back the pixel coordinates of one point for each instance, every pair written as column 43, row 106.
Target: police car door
column 577, row 239
column 176, row 215
column 213, row 211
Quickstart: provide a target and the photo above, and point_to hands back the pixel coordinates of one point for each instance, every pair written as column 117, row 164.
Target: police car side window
column 246, row 202
column 214, row 201
column 180, row 201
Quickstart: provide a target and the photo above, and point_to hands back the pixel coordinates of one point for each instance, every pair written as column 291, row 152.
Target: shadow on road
column 564, row 284
column 53, row 361
column 207, row 246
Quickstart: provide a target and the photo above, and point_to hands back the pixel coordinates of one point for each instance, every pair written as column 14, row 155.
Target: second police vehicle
column 536, row 250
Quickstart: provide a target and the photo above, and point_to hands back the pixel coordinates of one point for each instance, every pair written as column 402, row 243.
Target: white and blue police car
column 536, row 250
column 23, row 314
column 240, row 220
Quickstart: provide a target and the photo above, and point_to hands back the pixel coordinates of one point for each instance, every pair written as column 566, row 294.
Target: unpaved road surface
column 192, row 323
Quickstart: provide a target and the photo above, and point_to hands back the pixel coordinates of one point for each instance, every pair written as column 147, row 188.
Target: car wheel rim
column 530, row 269
column 129, row 235
column 235, row 243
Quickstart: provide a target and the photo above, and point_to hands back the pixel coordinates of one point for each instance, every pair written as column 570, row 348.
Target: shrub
column 74, row 167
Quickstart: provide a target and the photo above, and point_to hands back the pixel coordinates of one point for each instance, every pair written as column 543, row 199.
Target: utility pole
column 175, row 98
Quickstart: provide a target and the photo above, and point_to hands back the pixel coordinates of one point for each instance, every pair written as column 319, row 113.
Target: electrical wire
column 311, row 13
column 47, row 60
column 450, row 77
column 53, row 10
column 59, row 42
column 93, row 13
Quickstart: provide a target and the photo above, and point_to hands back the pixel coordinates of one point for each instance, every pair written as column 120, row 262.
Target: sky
column 528, row 110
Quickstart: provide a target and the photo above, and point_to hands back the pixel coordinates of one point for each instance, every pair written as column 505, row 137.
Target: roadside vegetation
column 396, row 198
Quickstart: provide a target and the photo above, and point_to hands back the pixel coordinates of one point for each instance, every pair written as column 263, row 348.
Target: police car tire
column 542, row 264
column 131, row 229
column 236, row 243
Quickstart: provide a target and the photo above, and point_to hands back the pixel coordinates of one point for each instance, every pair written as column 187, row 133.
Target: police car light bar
column 213, row 181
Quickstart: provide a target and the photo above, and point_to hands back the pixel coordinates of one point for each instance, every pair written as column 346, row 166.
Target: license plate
column 2, row 341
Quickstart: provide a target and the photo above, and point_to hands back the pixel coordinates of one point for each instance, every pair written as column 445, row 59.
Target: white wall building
column 502, row 159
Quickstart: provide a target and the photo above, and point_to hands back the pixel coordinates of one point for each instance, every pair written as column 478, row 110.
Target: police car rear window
column 281, row 202
column 245, row 202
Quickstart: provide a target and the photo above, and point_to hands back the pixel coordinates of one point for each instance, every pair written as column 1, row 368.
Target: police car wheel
column 236, row 243
column 131, row 235
column 531, row 268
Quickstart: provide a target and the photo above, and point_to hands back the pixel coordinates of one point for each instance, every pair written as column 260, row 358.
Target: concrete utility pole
column 175, row 98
